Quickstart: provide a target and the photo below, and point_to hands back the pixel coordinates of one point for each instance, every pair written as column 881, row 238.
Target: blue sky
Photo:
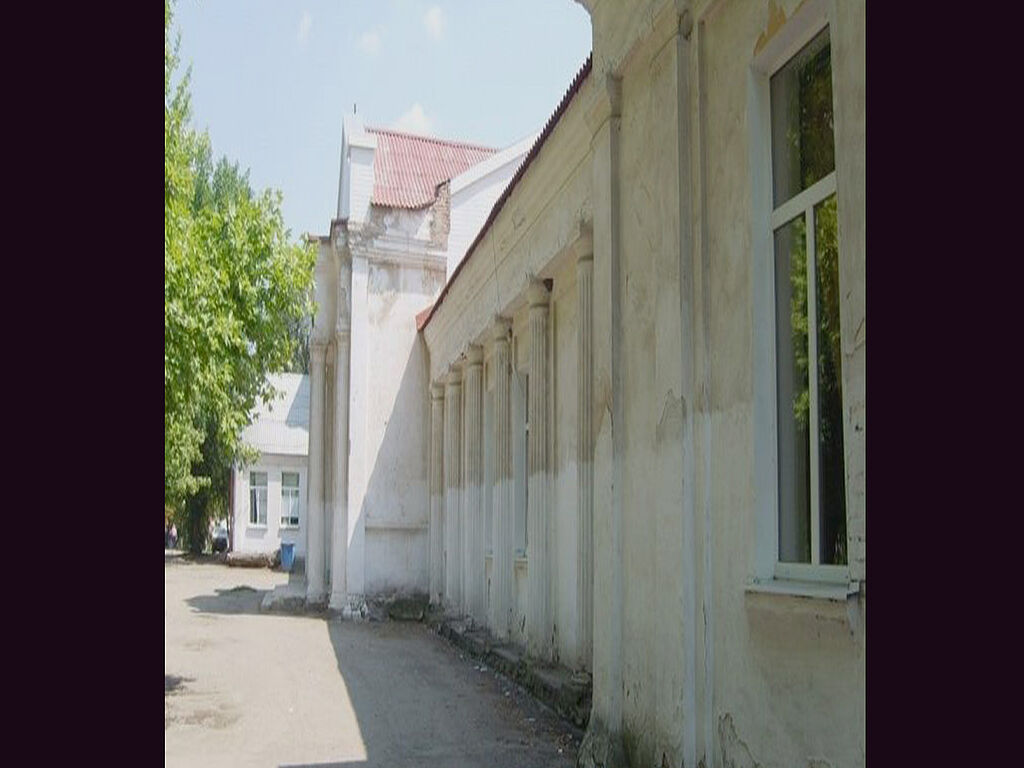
column 271, row 80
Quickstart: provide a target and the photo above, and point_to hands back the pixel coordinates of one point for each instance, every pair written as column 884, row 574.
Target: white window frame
column 289, row 526
column 811, row 18
column 266, row 488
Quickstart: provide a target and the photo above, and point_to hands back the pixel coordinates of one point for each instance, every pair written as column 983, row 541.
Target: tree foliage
column 235, row 290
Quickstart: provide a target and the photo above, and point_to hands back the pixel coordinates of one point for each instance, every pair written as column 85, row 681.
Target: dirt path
column 245, row 688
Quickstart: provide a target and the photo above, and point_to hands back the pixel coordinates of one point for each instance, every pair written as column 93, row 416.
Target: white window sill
column 283, row 527
column 257, row 527
column 834, row 592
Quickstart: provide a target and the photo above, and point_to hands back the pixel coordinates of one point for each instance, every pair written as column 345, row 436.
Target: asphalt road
column 245, row 688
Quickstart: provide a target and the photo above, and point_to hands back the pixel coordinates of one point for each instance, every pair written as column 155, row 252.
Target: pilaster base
column 601, row 748
column 316, row 600
column 348, row 606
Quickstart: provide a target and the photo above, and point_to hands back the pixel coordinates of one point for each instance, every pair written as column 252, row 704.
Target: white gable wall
column 474, row 193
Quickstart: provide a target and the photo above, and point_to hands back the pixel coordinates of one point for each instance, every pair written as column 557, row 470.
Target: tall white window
column 289, row 499
column 258, row 498
column 811, row 474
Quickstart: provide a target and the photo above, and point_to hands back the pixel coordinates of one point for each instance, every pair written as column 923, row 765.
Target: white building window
column 808, row 359
column 289, row 499
column 257, row 498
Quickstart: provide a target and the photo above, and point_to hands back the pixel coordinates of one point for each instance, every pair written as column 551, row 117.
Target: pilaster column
column 453, row 490
column 315, row 587
column 436, row 493
column 538, row 624
column 585, row 451
column 473, row 512
column 503, row 527
column 339, row 455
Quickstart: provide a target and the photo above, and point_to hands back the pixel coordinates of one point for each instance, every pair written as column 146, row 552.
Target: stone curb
column 566, row 692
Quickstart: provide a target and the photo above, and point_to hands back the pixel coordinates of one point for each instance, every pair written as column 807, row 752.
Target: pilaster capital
column 537, row 293
column 332, row 353
column 685, row 18
column 583, row 246
column 437, row 390
column 317, row 350
column 474, row 356
column 605, row 102
column 453, row 378
column 500, row 329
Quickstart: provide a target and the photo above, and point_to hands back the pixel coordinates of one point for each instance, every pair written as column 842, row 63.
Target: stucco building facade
column 634, row 414
column 269, row 496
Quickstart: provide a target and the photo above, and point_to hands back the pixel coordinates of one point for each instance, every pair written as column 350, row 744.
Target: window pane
column 262, row 493
column 290, row 479
column 803, row 149
column 257, row 478
column 831, row 472
column 253, row 502
column 793, row 391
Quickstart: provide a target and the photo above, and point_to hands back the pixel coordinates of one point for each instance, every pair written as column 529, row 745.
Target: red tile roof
column 408, row 168
column 425, row 316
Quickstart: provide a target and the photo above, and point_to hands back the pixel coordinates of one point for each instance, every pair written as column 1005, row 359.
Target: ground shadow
column 241, row 599
column 418, row 701
column 421, row 702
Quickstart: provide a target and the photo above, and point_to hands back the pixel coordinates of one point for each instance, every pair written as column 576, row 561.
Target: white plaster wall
column 799, row 693
column 389, row 420
column 360, row 189
column 473, row 194
column 562, row 320
column 397, row 560
column 252, row 538
column 652, row 650
column 470, row 207
column 767, row 679
column 785, row 675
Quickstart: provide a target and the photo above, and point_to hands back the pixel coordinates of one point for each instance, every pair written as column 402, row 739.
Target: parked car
column 220, row 538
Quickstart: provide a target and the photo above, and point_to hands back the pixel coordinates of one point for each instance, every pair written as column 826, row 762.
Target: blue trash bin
column 287, row 556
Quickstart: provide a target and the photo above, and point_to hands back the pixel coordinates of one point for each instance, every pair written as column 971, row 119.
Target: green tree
column 235, row 287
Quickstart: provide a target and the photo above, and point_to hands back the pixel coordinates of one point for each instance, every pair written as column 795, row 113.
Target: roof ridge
column 434, row 139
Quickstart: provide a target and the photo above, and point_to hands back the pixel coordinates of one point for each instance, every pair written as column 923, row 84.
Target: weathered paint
column 661, row 150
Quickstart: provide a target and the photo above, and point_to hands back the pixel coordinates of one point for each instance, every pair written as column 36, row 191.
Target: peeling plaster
column 776, row 18
column 735, row 753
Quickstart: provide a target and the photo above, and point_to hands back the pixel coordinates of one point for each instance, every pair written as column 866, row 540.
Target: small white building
column 269, row 499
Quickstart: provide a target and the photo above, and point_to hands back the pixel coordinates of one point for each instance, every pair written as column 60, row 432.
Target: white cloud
column 414, row 120
column 434, row 22
column 305, row 24
column 370, row 42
